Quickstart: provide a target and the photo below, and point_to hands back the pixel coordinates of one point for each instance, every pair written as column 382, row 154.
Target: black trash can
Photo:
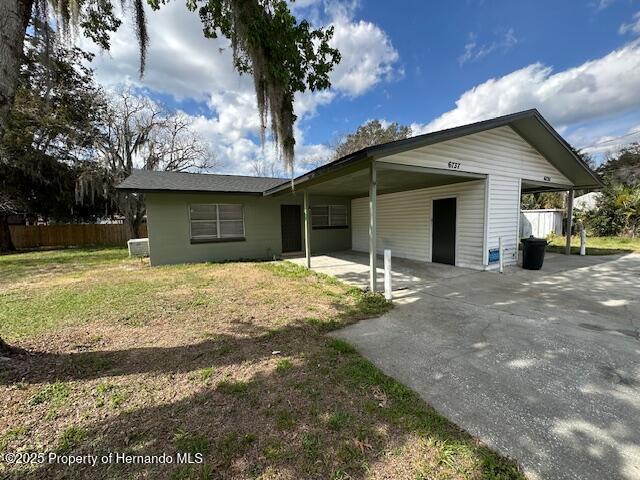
column 533, row 252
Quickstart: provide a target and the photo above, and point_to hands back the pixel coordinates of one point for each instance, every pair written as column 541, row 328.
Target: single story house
column 451, row 196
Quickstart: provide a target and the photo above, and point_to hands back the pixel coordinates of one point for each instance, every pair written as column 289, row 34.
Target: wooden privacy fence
column 71, row 235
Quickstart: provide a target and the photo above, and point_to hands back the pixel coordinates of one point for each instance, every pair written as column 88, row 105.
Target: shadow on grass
column 331, row 415
column 590, row 250
column 252, row 344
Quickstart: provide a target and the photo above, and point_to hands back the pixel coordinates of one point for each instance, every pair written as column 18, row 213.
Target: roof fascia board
column 315, row 177
column 436, row 171
column 558, row 137
column 199, row 192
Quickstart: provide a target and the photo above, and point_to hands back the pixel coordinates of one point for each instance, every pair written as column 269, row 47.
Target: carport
column 369, row 179
column 449, row 197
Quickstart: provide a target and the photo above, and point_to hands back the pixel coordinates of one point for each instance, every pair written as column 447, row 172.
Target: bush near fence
column 70, row 235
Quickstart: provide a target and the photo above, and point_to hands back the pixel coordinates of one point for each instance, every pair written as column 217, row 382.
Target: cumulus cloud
column 596, row 89
column 368, row 56
column 184, row 64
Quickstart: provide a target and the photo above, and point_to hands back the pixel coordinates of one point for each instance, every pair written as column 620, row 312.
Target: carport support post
column 373, row 268
column 307, row 235
column 567, row 246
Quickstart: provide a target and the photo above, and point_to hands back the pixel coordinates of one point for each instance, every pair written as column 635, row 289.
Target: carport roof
column 529, row 124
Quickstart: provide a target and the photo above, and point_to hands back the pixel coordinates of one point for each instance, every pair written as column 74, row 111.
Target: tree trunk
column 14, row 18
column 134, row 227
column 6, row 244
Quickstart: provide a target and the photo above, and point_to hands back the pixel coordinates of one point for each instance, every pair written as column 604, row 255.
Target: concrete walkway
column 542, row 366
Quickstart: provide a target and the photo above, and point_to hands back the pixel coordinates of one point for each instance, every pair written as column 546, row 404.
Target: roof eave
column 598, row 181
column 173, row 191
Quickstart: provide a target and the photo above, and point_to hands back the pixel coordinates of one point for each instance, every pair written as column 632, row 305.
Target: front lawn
column 597, row 245
column 230, row 361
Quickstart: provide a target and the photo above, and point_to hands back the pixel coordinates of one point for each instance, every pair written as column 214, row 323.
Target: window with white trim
column 329, row 216
column 216, row 222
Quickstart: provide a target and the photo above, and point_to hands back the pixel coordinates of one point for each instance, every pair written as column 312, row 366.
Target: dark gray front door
column 291, row 221
column 444, row 231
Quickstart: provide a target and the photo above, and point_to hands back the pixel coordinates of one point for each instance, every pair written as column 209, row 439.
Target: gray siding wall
column 169, row 238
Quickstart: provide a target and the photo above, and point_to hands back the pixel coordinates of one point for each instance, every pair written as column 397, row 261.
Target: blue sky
column 428, row 64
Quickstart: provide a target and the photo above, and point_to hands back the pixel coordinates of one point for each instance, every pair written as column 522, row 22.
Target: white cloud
column 474, row 51
column 603, row 4
column 606, row 143
column 182, row 63
column 367, row 56
column 631, row 27
column 597, row 88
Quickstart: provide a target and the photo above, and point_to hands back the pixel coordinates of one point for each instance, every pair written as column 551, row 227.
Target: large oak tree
column 283, row 55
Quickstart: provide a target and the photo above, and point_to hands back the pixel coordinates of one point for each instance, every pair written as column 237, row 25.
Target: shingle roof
column 150, row 181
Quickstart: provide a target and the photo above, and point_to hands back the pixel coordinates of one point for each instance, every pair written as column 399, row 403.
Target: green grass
column 22, row 315
column 597, row 245
column 18, row 266
column 234, row 387
column 188, row 442
column 11, row 435
column 401, row 406
column 338, row 420
column 283, row 365
column 55, row 393
column 285, row 420
column 206, row 374
column 233, row 445
column 70, row 439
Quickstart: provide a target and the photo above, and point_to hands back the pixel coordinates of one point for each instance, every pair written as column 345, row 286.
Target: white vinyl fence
column 541, row 223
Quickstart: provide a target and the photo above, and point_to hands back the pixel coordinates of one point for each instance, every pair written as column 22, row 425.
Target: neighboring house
column 447, row 196
column 541, row 223
column 588, row 201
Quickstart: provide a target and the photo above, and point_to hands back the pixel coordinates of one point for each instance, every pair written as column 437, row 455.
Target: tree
column 617, row 211
column 623, row 168
column 284, row 55
column 534, row 201
column 263, row 167
column 96, row 18
column 139, row 133
column 368, row 134
column 52, row 126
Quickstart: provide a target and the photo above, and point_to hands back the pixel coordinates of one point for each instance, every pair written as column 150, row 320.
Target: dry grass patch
column 228, row 361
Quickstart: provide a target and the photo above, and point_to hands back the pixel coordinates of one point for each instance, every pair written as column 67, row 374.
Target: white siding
column 499, row 151
column 504, row 215
column 404, row 222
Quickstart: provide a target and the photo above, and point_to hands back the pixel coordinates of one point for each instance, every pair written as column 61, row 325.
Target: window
column 329, row 216
column 216, row 222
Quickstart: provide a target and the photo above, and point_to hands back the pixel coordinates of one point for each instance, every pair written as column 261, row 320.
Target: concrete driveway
column 542, row 366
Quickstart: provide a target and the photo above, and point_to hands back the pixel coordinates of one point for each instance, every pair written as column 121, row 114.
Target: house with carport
column 451, row 196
